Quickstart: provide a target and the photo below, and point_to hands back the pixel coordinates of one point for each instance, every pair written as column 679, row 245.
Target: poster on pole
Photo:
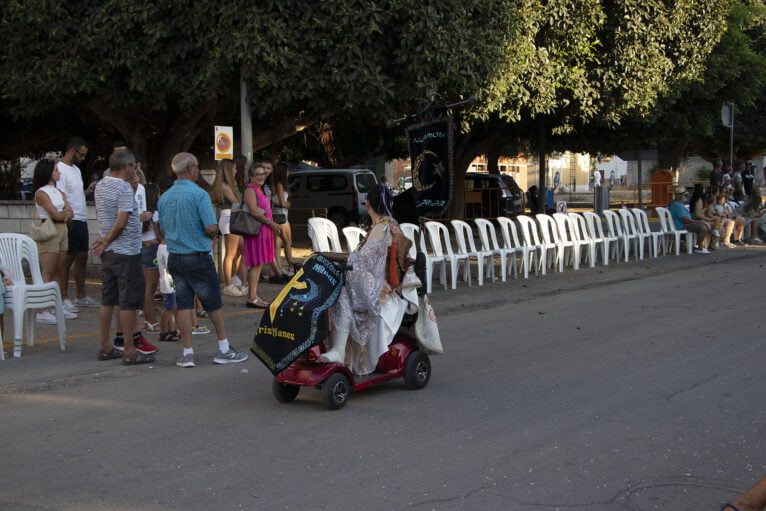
column 224, row 143
column 431, row 153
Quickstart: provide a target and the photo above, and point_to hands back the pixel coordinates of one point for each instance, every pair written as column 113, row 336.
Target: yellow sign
column 224, row 143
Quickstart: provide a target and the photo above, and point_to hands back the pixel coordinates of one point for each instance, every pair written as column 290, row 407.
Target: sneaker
column 45, row 318
column 200, row 330
column 87, row 302
column 702, row 251
column 119, row 344
column 202, row 313
column 69, row 306
column 144, row 347
column 244, row 290
column 235, row 280
column 232, row 290
column 230, row 357
column 185, row 361
column 69, row 315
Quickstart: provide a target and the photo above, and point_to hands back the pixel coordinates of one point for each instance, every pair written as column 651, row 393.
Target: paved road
column 635, row 386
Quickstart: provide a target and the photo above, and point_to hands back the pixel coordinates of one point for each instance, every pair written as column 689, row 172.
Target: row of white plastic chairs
column 541, row 242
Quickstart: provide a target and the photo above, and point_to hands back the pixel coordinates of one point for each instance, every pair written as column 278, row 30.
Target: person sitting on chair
column 370, row 307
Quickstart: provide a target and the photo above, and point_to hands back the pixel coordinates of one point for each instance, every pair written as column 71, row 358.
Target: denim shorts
column 194, row 274
column 169, row 301
column 122, row 281
column 149, row 256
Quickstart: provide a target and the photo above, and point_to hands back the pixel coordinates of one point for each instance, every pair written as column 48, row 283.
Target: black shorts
column 122, row 281
column 78, row 237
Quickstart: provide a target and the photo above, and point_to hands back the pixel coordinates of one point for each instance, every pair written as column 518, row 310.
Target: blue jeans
column 194, row 274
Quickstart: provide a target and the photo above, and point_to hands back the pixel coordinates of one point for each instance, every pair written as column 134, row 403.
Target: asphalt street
column 633, row 386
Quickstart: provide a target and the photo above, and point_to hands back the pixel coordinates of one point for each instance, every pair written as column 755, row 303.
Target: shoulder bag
column 243, row 223
column 41, row 229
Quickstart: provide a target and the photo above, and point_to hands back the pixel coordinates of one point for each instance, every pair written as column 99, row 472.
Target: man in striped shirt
column 119, row 245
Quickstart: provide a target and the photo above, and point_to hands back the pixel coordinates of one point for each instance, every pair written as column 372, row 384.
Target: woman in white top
column 51, row 203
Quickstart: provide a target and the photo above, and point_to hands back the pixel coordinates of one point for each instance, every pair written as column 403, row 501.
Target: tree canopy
column 158, row 73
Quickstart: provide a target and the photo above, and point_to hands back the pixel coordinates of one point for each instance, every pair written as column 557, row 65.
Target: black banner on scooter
column 431, row 154
column 296, row 320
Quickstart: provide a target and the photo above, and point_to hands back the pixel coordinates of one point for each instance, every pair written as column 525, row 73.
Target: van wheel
column 339, row 217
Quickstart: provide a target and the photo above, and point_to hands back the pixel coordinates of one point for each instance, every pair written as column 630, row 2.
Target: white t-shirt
column 57, row 200
column 71, row 184
column 597, row 178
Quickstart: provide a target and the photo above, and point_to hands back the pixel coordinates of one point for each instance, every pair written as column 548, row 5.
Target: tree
column 158, row 72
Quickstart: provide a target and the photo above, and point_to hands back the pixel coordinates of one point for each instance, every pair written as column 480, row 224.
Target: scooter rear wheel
column 417, row 370
column 284, row 392
column 335, row 391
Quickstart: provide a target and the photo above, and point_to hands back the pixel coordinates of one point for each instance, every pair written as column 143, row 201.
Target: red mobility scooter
column 289, row 341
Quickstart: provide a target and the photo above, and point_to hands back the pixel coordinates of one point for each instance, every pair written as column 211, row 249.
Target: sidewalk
column 44, row 366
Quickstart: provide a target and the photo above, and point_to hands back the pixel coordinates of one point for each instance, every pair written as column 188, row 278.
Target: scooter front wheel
column 417, row 370
column 284, row 392
column 335, row 391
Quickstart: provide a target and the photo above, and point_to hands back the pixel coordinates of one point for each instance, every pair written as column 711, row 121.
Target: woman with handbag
column 51, row 206
column 259, row 249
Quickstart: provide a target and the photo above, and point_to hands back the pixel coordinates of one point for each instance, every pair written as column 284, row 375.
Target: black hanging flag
column 297, row 318
column 431, row 154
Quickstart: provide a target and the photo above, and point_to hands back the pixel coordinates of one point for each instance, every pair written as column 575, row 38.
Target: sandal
column 109, row 355
column 151, row 328
column 171, row 336
column 137, row 358
column 202, row 313
column 257, row 304
column 727, row 506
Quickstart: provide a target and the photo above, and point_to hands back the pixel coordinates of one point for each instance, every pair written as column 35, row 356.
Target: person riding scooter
column 371, row 305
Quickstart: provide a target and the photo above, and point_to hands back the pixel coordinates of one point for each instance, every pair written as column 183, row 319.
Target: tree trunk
column 672, row 153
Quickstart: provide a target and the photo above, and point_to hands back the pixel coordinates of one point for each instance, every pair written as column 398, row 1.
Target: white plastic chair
column 582, row 236
column 324, row 235
column 569, row 237
column 511, row 241
column 642, row 222
column 441, row 245
column 353, row 237
column 485, row 261
column 609, row 244
column 551, row 240
column 614, row 223
column 412, row 231
column 630, row 227
column 24, row 298
column 671, row 231
column 531, row 239
column 506, row 252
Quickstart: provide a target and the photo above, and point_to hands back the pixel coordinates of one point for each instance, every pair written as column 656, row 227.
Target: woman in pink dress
column 258, row 250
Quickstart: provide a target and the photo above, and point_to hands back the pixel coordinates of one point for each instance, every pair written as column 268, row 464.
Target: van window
column 326, row 183
column 365, row 181
column 294, row 183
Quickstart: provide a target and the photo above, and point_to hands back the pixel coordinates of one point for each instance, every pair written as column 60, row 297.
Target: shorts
column 78, row 237
column 122, row 281
column 57, row 244
column 280, row 216
column 194, row 274
column 224, row 221
column 149, row 256
column 169, row 301
column 695, row 228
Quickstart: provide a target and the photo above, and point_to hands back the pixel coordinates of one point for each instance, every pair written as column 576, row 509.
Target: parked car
column 492, row 195
column 338, row 193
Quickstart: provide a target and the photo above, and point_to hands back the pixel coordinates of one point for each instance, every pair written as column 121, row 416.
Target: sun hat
column 680, row 189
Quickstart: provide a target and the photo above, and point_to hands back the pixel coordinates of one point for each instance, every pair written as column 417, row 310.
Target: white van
column 338, row 193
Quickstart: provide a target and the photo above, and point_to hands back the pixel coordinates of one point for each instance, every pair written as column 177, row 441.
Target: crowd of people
column 727, row 212
column 161, row 235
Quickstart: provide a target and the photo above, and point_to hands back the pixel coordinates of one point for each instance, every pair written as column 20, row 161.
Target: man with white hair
column 189, row 224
